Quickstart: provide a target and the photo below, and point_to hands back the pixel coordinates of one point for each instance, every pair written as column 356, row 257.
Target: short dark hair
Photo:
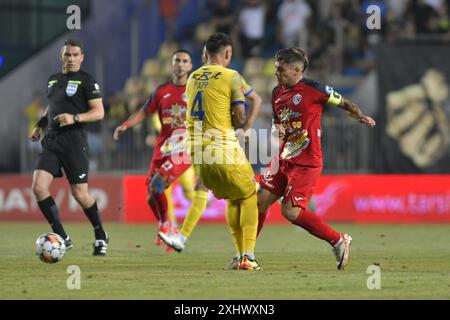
column 292, row 55
column 217, row 41
column 182, row 51
column 74, row 43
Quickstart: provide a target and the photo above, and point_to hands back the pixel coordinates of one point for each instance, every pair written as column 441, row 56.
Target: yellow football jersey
column 211, row 92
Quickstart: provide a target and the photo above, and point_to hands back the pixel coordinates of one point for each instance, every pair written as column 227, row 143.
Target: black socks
column 94, row 217
column 51, row 213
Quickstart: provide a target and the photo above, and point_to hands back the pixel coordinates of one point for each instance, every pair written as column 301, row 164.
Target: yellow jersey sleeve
column 247, row 89
column 237, row 89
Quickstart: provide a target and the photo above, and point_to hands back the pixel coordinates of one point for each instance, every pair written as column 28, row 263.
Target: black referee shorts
column 68, row 150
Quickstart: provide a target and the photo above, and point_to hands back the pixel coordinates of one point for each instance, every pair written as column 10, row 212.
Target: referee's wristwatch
column 76, row 118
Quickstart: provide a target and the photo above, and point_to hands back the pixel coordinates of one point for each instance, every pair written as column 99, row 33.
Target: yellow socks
column 249, row 223
column 234, row 223
column 196, row 209
column 170, row 212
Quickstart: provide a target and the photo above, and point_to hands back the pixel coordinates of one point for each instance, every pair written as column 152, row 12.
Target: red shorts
column 291, row 181
column 167, row 168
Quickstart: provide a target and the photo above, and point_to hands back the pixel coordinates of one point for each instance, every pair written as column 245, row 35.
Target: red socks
column 261, row 218
column 161, row 202
column 158, row 203
column 315, row 225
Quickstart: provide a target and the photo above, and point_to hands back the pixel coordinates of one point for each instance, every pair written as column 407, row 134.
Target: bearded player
column 169, row 101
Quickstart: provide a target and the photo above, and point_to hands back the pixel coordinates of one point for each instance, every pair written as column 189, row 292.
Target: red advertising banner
column 137, row 210
column 17, row 202
column 384, row 198
column 338, row 198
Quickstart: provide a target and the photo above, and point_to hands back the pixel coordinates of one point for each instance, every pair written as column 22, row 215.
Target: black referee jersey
column 67, row 147
column 70, row 93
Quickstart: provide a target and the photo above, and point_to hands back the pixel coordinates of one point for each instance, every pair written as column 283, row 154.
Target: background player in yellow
column 215, row 107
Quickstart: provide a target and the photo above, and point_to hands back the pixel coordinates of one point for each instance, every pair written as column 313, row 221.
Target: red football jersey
column 169, row 100
column 299, row 110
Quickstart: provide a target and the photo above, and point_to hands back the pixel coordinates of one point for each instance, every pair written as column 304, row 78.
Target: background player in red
column 297, row 104
column 169, row 100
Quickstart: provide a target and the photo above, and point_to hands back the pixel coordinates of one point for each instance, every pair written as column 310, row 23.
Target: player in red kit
column 169, row 160
column 297, row 104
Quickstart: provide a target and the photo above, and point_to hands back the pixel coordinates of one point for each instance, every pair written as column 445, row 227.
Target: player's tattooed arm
column 255, row 107
column 239, row 116
column 355, row 112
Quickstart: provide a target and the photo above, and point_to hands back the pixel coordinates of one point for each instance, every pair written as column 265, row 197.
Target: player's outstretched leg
column 198, row 206
column 177, row 240
column 315, row 225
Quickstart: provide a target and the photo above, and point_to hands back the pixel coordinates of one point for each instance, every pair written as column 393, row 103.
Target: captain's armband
column 335, row 98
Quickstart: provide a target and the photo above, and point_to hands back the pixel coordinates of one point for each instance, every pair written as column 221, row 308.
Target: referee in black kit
column 73, row 99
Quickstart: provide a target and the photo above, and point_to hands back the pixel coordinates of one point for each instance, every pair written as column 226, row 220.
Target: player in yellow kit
column 215, row 107
column 178, row 240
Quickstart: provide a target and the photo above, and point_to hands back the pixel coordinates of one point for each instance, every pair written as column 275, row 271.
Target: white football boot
column 342, row 251
column 174, row 240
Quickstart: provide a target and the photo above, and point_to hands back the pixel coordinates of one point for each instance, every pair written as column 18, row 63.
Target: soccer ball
column 50, row 247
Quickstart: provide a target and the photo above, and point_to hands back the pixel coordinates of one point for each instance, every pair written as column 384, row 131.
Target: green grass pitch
column 414, row 261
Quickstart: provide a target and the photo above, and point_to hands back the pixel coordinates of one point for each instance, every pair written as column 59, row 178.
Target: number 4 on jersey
column 197, row 109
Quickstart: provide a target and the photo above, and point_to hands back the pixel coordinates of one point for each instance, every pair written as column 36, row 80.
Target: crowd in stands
column 334, row 32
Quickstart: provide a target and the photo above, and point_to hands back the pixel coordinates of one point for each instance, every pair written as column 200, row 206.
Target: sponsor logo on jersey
column 184, row 97
column 167, row 165
column 287, row 114
column 297, row 98
column 329, row 90
column 166, row 95
column 71, row 89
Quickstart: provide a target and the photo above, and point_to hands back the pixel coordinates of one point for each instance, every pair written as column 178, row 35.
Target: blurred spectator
column 222, row 16
column 251, row 27
column 168, row 12
column 293, row 18
column 117, row 109
column 34, row 112
column 397, row 8
column 423, row 15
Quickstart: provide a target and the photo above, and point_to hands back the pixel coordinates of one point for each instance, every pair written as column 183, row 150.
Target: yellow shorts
column 187, row 179
column 232, row 180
